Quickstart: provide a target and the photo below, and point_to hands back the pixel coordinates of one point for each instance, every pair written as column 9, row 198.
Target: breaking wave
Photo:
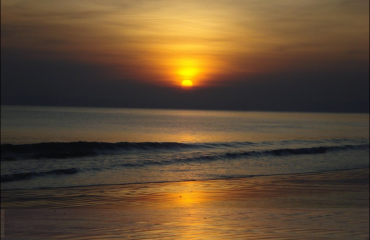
column 56, row 150
column 28, row 175
column 242, row 154
column 85, row 149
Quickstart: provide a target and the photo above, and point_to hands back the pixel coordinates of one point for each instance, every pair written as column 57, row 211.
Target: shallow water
column 333, row 205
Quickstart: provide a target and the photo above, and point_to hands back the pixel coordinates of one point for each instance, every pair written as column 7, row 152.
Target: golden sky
column 209, row 42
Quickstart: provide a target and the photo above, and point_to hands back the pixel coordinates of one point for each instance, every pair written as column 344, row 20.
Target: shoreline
column 331, row 205
column 191, row 180
column 309, row 182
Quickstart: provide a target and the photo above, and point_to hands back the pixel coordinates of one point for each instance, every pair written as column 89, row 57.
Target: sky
column 256, row 55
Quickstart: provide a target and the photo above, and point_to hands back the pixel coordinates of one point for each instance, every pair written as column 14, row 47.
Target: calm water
column 60, row 147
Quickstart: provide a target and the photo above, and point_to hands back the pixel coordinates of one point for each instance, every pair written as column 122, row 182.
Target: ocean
column 51, row 147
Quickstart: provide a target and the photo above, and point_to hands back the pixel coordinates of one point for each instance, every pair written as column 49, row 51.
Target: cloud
column 252, row 55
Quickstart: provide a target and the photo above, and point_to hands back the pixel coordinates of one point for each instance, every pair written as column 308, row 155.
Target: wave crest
column 243, row 154
column 62, row 150
column 78, row 149
column 28, row 175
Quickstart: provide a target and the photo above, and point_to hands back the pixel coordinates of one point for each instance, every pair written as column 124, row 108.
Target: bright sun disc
column 187, row 83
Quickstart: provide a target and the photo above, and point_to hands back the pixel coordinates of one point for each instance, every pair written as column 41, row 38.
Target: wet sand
column 332, row 205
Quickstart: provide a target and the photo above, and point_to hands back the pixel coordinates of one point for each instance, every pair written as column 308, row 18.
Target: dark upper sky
column 288, row 55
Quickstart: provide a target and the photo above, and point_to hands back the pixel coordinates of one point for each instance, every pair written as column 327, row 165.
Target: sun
column 187, row 84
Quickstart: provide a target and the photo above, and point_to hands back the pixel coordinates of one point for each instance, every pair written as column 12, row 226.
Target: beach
column 100, row 173
column 329, row 205
column 185, row 120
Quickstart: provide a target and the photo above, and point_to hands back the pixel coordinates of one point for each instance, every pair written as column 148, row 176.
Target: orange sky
column 165, row 42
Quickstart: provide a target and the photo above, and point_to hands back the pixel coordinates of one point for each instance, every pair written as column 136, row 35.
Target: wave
column 243, row 154
column 297, row 151
column 62, row 150
column 85, row 149
column 28, row 175
column 203, row 157
column 75, row 149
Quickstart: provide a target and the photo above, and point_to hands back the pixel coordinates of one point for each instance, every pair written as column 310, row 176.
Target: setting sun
column 187, row 83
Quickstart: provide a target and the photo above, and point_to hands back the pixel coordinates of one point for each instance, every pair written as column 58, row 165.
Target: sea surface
column 48, row 147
